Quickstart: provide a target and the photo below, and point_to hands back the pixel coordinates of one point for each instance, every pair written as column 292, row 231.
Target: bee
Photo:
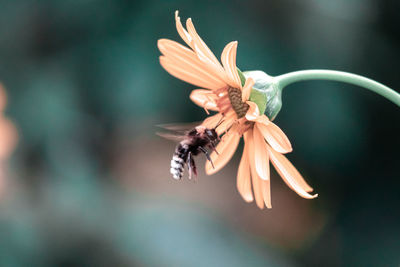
column 191, row 143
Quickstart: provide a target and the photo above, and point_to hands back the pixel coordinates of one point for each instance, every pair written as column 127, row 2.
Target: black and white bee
column 191, row 143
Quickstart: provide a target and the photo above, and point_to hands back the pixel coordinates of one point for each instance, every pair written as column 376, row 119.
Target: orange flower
column 222, row 91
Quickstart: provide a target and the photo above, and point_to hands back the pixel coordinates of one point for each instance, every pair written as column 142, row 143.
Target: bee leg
column 191, row 165
column 207, row 155
column 212, row 146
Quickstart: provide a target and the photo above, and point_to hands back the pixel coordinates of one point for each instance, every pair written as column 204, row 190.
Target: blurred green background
column 89, row 182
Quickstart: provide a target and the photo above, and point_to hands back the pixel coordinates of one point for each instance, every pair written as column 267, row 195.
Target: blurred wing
column 180, row 127
column 171, row 136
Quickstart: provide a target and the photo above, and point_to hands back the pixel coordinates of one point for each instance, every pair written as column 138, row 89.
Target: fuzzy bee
column 191, row 143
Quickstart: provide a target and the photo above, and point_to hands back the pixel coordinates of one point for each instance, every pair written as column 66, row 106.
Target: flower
column 222, row 91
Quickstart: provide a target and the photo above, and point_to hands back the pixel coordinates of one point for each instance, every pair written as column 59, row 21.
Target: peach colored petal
column 275, row 137
column 261, row 157
column 185, row 59
column 247, row 89
column 290, row 175
column 200, row 46
column 186, row 73
column 244, row 177
column 228, row 120
column 201, row 50
column 212, row 121
column 253, row 112
column 257, row 185
column 204, row 98
column 266, row 188
column 226, row 148
column 257, row 188
column 228, row 59
column 182, row 32
column 263, row 119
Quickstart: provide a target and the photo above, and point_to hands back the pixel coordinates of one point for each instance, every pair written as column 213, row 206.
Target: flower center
column 235, row 97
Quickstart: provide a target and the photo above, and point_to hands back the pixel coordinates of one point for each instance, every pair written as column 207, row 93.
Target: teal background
column 89, row 182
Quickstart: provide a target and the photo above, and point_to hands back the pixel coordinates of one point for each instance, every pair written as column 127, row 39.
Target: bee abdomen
column 177, row 165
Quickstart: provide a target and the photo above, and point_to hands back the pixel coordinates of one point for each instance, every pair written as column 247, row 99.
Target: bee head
column 212, row 134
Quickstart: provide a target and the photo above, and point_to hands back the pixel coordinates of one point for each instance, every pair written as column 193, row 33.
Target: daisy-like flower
column 222, row 91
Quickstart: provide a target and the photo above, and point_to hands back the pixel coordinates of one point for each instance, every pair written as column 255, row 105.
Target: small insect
column 191, row 143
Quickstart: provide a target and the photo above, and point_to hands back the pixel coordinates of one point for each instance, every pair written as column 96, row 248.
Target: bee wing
column 171, row 136
column 180, row 127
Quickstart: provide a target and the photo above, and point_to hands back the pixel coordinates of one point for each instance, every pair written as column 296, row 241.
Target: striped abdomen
column 178, row 161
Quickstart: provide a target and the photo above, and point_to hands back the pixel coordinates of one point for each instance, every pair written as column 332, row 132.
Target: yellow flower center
column 235, row 97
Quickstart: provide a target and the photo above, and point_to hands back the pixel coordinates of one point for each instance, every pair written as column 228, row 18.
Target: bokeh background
column 89, row 183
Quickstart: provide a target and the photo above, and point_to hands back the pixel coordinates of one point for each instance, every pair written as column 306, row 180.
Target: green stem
column 339, row 76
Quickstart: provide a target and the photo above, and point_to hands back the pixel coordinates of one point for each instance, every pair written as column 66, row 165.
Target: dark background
column 89, row 182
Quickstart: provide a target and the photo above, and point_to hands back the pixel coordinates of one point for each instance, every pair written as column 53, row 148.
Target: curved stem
column 339, row 76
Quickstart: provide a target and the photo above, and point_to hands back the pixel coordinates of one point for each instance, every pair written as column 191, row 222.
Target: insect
column 191, row 143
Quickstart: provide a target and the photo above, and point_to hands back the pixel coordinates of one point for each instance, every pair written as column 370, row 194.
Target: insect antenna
column 219, row 122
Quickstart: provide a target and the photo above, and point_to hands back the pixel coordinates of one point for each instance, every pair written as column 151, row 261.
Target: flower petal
column 204, row 98
column 226, row 148
column 261, row 157
column 253, row 112
column 263, row 119
column 186, row 60
column 244, row 176
column 200, row 47
column 290, row 175
column 247, row 89
column 228, row 59
column 182, row 32
column 266, row 188
column 212, row 121
column 186, row 73
column 229, row 119
column 257, row 185
column 275, row 137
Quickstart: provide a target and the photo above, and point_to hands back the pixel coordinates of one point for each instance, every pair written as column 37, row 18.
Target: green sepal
column 241, row 76
column 256, row 96
column 265, row 93
column 260, row 98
